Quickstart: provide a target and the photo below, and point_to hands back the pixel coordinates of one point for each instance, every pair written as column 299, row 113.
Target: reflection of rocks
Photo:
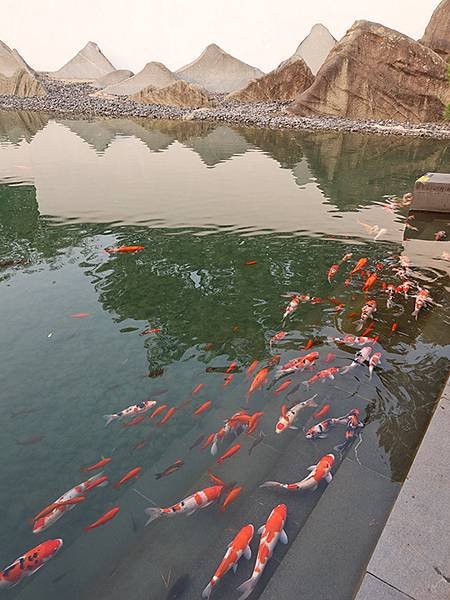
column 284, row 145
column 286, row 82
column 179, row 93
column 21, row 125
column 344, row 163
column 437, row 33
column 377, row 73
column 221, row 144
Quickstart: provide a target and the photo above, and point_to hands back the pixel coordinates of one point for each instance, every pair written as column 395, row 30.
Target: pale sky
column 130, row 33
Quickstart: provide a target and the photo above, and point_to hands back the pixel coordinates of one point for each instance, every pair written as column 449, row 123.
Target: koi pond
column 176, row 268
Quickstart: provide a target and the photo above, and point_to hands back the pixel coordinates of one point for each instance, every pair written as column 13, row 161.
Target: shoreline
column 76, row 100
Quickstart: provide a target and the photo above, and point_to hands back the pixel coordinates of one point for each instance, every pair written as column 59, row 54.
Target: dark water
column 202, row 199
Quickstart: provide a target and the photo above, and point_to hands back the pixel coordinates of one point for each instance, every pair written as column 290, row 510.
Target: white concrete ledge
column 412, row 557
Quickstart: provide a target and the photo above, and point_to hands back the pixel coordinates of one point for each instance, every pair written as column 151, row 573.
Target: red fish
column 228, row 380
column 197, row 388
column 154, row 330
column 232, row 367
column 367, row 330
column 283, row 386
column 158, row 411
column 394, row 327
column 103, row 519
column 98, row 465
column 230, row 452
column 374, row 360
column 362, row 262
column 309, row 344
column 135, row 421
column 258, row 381
column 250, row 262
column 330, row 357
column 230, row 497
column 133, row 473
column 332, row 272
column 80, row 315
column 370, row 281
column 57, row 505
column 122, row 249
column 253, row 422
column 169, row 414
column 274, row 360
column 202, row 408
column 325, row 374
column 277, row 337
column 209, row 440
column 251, row 368
column 322, row 412
column 29, row 563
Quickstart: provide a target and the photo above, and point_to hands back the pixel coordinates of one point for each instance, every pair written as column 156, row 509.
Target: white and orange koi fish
column 189, row 505
column 352, row 340
column 361, row 357
column 239, row 546
column 322, row 470
column 422, row 298
column 43, row 523
column 287, row 417
column 271, row 533
column 367, row 312
column 135, row 409
column 374, row 360
column 294, row 304
column 29, row 563
column 297, row 364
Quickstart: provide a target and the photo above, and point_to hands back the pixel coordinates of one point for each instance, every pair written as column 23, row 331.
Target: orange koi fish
column 239, row 546
column 330, row 357
column 253, row 422
column 228, row 380
column 251, row 368
column 169, row 414
column 250, row 262
column 366, row 332
column 322, row 412
column 374, row 360
column 51, row 507
column 271, row 533
column 232, row 367
column 332, row 272
column 197, row 388
column 135, row 421
column 325, row 374
column 153, row 330
column 283, row 386
column 353, row 424
column 201, row 409
column 394, row 327
column 322, row 470
column 230, row 497
column 29, row 563
column 176, row 465
column 370, row 281
column 122, row 249
column 103, row 519
column 258, row 381
column 362, row 262
column 98, row 465
column 189, row 505
column 229, row 453
column 309, row 344
column 80, row 315
column 299, row 363
column 133, row 473
column 158, row 411
column 421, row 299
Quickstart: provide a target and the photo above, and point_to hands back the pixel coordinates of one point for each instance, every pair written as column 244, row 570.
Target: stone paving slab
column 413, row 553
column 374, row 589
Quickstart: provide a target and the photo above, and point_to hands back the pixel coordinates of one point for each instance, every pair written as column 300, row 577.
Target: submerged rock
column 437, row 33
column 316, row 46
column 286, row 82
column 217, row 71
column 179, row 93
column 154, row 74
column 377, row 73
column 113, row 78
column 88, row 64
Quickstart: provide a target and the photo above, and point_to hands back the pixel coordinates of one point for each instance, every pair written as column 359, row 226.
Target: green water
column 202, row 199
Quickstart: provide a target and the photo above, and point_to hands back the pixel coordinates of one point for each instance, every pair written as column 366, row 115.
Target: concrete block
column 374, row 589
column 432, row 193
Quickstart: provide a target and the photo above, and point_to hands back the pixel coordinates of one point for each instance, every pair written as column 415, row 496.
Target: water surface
column 203, row 199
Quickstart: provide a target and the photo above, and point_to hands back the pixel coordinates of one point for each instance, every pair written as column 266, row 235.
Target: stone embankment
column 77, row 99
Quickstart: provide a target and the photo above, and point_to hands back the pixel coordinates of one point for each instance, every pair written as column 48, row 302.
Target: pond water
column 203, row 200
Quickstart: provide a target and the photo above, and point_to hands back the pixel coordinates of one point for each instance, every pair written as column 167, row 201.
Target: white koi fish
column 288, row 417
column 360, row 358
column 374, row 360
column 131, row 411
column 367, row 312
column 322, row 470
column 271, row 533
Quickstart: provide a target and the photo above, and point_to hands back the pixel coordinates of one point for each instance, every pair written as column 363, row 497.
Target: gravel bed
column 77, row 99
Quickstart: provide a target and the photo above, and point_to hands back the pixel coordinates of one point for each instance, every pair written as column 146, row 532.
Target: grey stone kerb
column 412, row 557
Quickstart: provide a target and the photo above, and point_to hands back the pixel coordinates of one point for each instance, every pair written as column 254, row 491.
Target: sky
column 260, row 32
